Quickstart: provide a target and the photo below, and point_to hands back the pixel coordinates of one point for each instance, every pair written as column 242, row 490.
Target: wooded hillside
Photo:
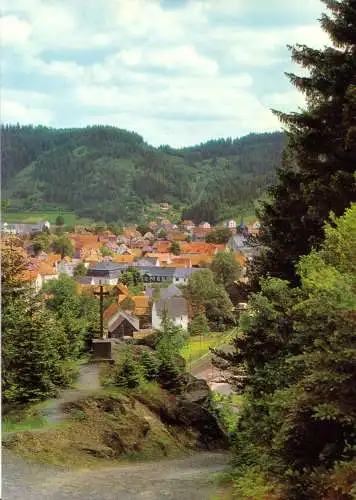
column 111, row 174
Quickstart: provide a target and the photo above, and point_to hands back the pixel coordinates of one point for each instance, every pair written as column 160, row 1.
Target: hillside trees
column 299, row 348
column 34, row 344
column 63, row 246
column 219, row 236
column 225, row 268
column 317, row 173
column 175, row 248
column 78, row 314
column 109, row 174
column 206, row 297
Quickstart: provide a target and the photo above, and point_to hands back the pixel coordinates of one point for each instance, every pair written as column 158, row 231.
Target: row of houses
column 108, row 273
column 121, row 322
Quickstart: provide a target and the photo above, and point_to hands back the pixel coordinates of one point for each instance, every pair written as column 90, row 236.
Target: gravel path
column 88, row 380
column 180, row 479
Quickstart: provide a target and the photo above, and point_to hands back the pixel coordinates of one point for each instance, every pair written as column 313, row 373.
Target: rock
column 211, row 434
column 100, row 451
column 196, row 391
column 114, row 441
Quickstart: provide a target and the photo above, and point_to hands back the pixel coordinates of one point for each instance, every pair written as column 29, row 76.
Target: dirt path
column 181, row 479
column 88, row 381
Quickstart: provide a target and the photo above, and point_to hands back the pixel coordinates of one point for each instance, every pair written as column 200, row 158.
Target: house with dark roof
column 106, row 273
column 156, row 274
column 176, row 309
column 181, row 275
column 122, row 324
column 20, row 228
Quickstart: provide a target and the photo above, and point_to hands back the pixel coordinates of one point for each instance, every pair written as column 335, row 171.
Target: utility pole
column 101, row 295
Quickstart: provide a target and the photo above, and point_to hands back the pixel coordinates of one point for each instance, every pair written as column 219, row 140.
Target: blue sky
column 178, row 72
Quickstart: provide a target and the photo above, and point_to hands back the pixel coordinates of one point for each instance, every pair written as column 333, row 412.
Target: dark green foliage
column 225, row 268
column 143, row 229
column 150, row 365
column 175, row 248
column 116, row 228
column 199, row 325
column 63, row 245
column 109, row 174
column 131, row 277
column 162, row 234
column 299, row 349
column 298, row 343
column 219, row 235
column 170, row 340
column 317, row 174
column 128, row 374
column 40, row 243
column 128, row 304
column 80, row 270
column 207, row 297
column 65, row 302
column 34, row 344
column 60, row 220
column 106, row 251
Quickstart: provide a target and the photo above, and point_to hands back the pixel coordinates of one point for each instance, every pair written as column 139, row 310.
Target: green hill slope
column 111, row 174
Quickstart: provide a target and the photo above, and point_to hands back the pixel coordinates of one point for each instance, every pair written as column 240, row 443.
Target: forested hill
column 110, row 174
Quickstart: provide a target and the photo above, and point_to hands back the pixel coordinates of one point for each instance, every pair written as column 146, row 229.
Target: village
column 142, row 273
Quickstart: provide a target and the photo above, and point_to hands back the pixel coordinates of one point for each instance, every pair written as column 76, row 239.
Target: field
column 70, row 218
column 197, row 347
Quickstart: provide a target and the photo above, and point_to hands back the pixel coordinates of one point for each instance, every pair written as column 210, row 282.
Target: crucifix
column 101, row 295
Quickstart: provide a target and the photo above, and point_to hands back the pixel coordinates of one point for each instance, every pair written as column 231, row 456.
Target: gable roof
column 122, row 316
column 171, row 291
column 123, row 259
column 174, row 307
column 184, row 272
column 111, row 310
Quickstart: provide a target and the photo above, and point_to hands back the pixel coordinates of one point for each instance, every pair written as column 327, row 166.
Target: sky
column 178, row 72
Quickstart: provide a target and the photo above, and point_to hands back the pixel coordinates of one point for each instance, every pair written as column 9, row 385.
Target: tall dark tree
column 317, row 173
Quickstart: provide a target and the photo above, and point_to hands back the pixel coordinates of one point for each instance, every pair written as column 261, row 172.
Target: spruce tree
column 317, row 172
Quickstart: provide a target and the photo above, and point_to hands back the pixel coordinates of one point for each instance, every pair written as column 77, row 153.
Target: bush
column 129, row 374
column 150, row 365
column 199, row 325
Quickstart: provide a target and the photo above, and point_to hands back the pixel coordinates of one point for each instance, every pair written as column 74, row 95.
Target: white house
column 34, row 281
column 205, row 225
column 175, row 308
column 181, row 275
column 23, row 228
column 231, row 224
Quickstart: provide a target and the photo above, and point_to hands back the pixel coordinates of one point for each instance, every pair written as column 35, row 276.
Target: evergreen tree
column 175, row 248
column 225, row 268
column 63, row 245
column 34, row 345
column 317, row 173
column 80, row 270
column 129, row 373
column 298, row 348
column 60, row 220
column 150, row 365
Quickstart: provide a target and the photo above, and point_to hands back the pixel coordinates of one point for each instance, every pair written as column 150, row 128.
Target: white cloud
column 284, row 101
column 16, row 112
column 166, row 73
column 14, row 31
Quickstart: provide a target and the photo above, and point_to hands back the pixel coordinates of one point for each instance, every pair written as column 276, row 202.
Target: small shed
column 123, row 324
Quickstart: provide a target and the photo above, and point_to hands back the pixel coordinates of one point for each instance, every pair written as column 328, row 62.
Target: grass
column 29, row 424
column 70, row 218
column 27, row 419
column 197, row 347
column 103, row 428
